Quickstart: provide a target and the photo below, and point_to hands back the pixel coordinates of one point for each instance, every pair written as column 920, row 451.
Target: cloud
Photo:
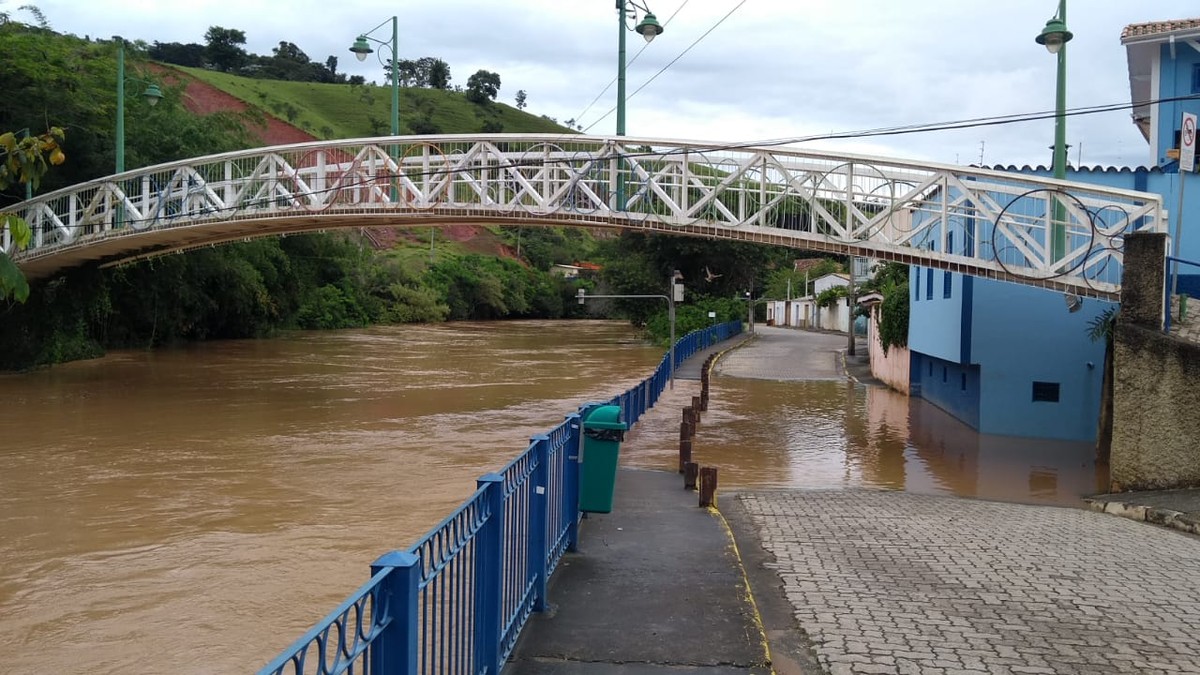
column 772, row 69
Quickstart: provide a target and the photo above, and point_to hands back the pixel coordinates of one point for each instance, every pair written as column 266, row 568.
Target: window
column 944, row 374
column 949, row 242
column 1196, row 78
column 916, row 288
column 929, row 285
column 1045, row 391
column 964, row 381
column 947, row 284
column 931, row 368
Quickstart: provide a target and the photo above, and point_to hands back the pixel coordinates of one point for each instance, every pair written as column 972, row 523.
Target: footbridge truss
column 1054, row 234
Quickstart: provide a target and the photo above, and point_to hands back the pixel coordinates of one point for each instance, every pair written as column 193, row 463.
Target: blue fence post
column 539, row 520
column 395, row 650
column 570, row 507
column 489, row 576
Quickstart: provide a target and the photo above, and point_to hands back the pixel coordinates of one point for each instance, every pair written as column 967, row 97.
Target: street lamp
column 649, row 28
column 675, row 296
column 152, row 94
column 1055, row 37
column 362, row 47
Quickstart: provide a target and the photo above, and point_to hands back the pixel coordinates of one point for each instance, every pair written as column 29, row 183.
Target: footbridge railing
column 1043, row 232
column 456, row 601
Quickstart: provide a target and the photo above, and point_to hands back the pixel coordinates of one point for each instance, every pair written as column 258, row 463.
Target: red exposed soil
column 204, row 99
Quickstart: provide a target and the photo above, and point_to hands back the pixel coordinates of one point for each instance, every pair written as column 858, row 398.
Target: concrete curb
column 1185, row 522
column 845, row 368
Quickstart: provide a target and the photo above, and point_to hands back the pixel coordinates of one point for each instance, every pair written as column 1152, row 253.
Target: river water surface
column 195, row 510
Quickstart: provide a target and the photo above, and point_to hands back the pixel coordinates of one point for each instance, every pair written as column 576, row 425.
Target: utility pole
column 850, row 312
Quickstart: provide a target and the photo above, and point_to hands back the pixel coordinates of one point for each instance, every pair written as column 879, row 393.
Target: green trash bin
column 603, row 432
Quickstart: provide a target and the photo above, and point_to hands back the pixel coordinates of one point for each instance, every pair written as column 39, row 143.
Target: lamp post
column 648, row 28
column 676, row 295
column 362, row 47
column 152, row 94
column 1055, row 37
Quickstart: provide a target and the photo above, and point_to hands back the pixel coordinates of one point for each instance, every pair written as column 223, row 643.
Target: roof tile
column 1158, row 27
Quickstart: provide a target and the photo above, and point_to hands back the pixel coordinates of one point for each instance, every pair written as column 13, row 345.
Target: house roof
column 840, row 275
column 1142, row 42
column 872, row 298
column 1155, row 28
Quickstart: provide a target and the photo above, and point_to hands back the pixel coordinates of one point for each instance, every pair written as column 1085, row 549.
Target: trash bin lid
column 605, row 417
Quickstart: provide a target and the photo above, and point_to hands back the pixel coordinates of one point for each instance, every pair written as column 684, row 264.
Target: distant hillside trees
column 426, row 72
column 190, row 55
column 223, row 49
column 482, row 87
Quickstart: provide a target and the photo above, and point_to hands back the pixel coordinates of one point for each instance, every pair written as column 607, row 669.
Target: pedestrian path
column 655, row 588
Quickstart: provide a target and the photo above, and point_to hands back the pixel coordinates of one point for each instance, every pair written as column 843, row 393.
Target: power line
column 671, row 63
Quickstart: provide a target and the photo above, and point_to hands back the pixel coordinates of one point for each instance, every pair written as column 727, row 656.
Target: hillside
column 328, row 111
column 295, row 112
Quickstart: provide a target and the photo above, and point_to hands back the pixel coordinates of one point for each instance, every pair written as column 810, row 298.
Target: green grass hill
column 329, row 111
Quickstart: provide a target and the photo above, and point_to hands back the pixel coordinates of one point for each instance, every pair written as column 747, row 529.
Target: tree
column 482, row 87
column 290, row 52
column 190, row 55
column 439, row 74
column 23, row 161
column 406, row 69
column 423, row 66
column 520, row 99
column 223, row 48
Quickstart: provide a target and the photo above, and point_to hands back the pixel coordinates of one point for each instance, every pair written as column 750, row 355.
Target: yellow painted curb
column 737, row 555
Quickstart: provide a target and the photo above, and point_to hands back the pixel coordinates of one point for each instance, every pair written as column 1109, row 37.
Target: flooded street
column 195, row 510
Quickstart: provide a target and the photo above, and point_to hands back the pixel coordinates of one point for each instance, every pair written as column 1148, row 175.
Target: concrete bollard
column 691, row 471
column 685, row 453
column 708, row 486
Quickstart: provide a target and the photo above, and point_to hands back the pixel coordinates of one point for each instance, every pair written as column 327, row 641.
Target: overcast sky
column 773, row 69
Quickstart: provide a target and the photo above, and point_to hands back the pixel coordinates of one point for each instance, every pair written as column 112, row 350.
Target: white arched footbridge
column 979, row 222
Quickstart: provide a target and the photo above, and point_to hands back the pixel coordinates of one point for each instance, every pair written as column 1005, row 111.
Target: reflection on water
column 822, row 434
column 195, row 510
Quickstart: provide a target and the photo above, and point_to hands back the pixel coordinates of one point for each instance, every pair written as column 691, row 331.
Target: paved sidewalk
column 786, row 354
column 889, row 582
column 655, row 588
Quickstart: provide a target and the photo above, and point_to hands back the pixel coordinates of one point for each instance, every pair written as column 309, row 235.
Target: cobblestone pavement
column 888, row 582
column 1189, row 328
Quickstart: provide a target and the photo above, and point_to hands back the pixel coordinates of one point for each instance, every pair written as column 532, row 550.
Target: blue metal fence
column 456, row 601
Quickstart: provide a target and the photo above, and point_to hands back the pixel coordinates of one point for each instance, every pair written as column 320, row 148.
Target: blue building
column 1015, row 360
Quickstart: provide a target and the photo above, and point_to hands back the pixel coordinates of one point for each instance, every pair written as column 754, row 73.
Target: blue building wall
column 1177, row 77
column 929, row 310
column 978, row 353
column 953, row 387
column 1024, row 335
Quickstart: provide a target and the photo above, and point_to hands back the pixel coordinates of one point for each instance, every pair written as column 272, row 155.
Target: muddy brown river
column 194, row 510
